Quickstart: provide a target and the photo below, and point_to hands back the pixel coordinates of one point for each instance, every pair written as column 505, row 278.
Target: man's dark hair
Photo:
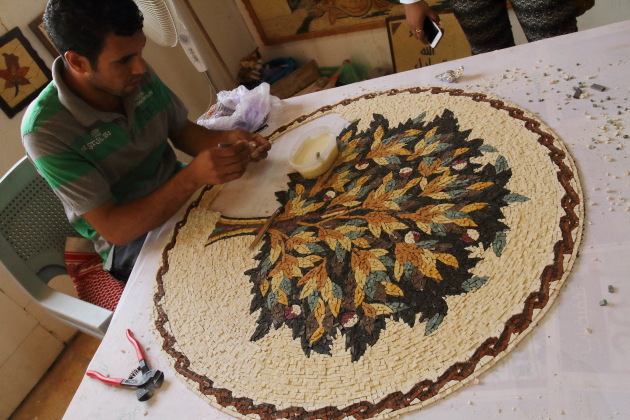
column 82, row 25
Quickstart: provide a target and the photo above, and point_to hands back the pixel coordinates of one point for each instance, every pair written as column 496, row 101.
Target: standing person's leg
column 545, row 18
column 485, row 23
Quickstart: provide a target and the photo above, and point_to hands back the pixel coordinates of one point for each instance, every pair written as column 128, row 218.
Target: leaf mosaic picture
column 435, row 243
column 388, row 232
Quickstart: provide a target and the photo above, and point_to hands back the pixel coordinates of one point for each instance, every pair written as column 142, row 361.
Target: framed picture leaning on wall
column 23, row 74
column 279, row 21
column 37, row 26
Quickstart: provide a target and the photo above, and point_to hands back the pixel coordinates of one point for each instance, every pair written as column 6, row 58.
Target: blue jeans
column 122, row 258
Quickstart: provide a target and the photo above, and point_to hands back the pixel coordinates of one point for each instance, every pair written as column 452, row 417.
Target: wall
column 371, row 48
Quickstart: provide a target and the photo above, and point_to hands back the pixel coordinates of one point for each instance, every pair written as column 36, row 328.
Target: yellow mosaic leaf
column 264, row 287
column 351, row 204
column 359, row 295
column 460, row 151
column 317, row 335
column 308, row 261
column 392, row 289
column 464, row 222
column 360, row 276
column 377, row 265
column 308, row 288
column 440, row 196
column 381, row 161
column 346, row 137
column 412, row 132
column 392, row 205
column 426, row 228
column 368, row 310
column 274, row 253
column 282, row 297
column 479, row 186
column 334, row 304
column 320, row 311
column 381, row 309
column 378, row 252
column 378, row 135
column 362, row 242
column 390, row 227
column 302, row 249
column 473, row 207
column 398, row 270
column 375, row 229
column 306, row 235
column 431, row 132
column 326, row 291
column 346, row 243
column 447, row 259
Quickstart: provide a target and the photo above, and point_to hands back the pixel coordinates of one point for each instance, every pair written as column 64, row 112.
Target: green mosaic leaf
column 501, row 164
column 370, row 286
column 419, row 118
column 500, row 240
column 312, row 300
column 272, row 298
column 487, row 148
column 515, row 198
column 286, row 285
column 474, row 283
column 433, row 323
column 396, row 306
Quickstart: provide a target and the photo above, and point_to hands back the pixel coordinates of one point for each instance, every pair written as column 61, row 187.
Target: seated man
column 98, row 133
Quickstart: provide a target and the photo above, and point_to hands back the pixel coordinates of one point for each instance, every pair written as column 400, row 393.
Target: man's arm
column 120, row 224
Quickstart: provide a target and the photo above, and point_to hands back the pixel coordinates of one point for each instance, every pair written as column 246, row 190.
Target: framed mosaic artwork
column 408, row 53
column 37, row 26
column 428, row 251
column 24, row 74
column 279, row 21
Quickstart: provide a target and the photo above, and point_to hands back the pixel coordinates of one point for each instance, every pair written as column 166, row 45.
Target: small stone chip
column 598, row 87
column 611, row 288
column 603, row 302
column 578, row 93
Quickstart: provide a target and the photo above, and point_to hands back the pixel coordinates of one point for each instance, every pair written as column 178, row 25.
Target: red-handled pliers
column 145, row 383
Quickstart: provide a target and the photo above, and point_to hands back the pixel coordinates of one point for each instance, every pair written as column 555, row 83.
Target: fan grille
column 159, row 24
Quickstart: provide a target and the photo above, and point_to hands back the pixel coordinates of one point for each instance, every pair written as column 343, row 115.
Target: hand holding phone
column 432, row 32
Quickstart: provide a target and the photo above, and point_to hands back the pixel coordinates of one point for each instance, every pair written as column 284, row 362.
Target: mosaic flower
column 387, row 233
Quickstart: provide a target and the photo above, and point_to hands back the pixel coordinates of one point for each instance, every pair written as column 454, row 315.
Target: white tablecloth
column 574, row 365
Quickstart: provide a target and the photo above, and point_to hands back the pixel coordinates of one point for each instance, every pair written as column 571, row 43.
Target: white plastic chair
column 33, row 231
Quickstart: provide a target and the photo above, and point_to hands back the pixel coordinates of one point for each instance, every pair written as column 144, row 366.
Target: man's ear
column 77, row 62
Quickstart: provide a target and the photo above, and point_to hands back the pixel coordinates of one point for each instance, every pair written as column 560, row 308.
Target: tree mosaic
column 387, row 233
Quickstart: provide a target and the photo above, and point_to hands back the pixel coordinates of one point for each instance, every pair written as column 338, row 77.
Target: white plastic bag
column 239, row 109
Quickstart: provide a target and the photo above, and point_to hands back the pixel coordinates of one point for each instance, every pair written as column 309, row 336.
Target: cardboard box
column 295, row 81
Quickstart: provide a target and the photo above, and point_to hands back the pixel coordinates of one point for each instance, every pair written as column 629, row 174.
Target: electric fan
column 169, row 22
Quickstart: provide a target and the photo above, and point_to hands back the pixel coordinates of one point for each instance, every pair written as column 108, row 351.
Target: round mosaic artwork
column 438, row 239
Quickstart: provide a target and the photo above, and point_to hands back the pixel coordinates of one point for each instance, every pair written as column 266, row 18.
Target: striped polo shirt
column 90, row 157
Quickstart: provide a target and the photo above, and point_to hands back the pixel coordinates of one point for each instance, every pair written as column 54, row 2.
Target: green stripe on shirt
column 42, row 109
column 137, row 177
column 147, row 110
column 57, row 170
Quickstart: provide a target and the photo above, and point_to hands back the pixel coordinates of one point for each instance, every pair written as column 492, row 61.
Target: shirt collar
column 81, row 111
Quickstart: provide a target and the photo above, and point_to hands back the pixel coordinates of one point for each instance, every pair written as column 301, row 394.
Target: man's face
column 120, row 66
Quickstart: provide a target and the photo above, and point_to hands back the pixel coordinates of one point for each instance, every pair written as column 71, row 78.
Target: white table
column 574, row 365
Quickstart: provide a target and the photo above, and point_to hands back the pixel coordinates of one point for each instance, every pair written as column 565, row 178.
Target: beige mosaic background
column 207, row 296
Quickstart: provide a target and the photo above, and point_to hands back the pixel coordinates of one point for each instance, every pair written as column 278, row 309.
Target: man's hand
column 415, row 13
column 258, row 145
column 218, row 165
